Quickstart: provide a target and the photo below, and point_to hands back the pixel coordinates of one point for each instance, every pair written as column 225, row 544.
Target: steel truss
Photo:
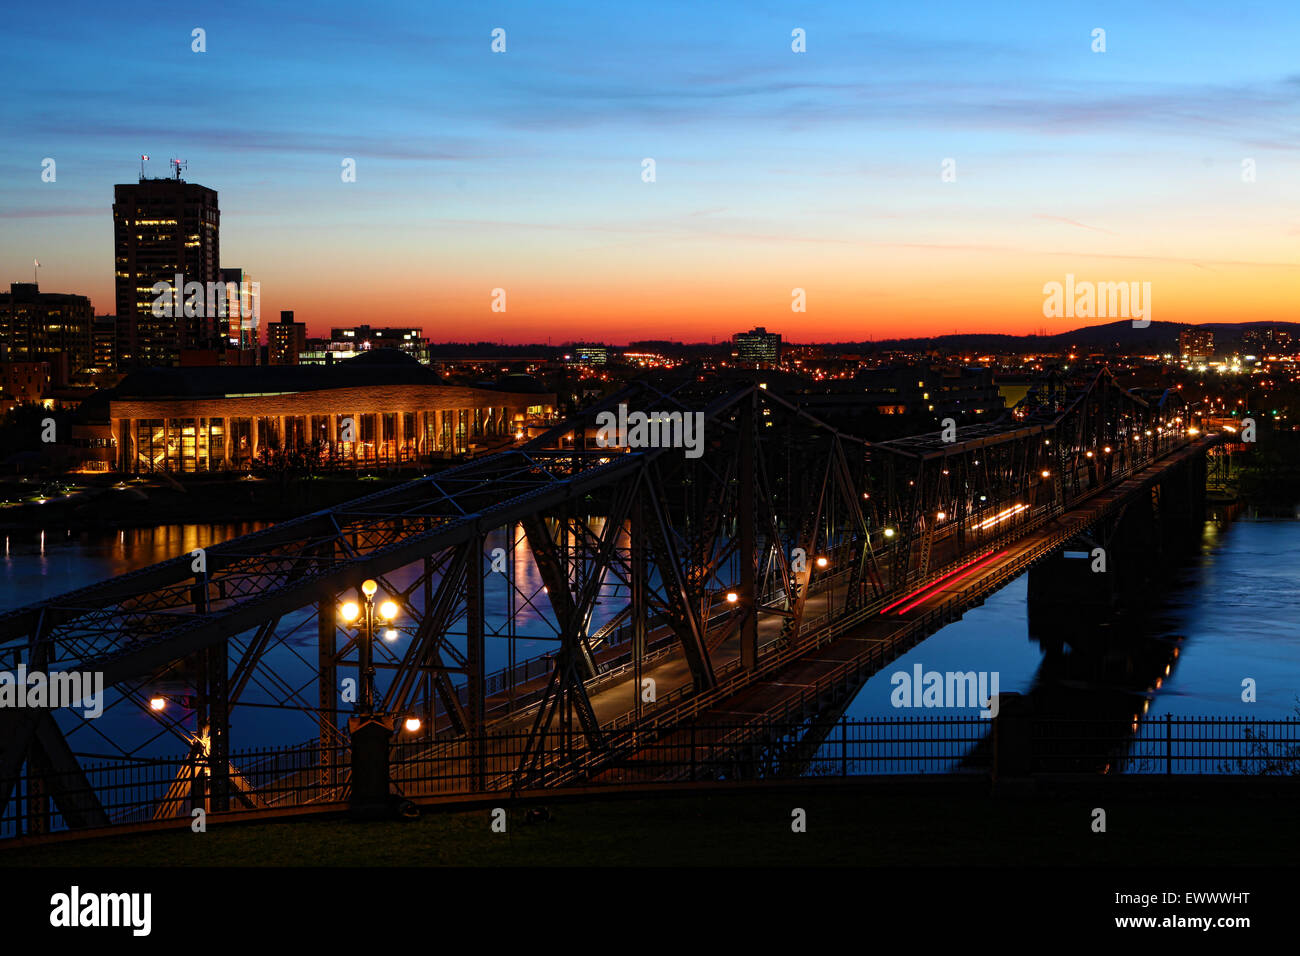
column 613, row 555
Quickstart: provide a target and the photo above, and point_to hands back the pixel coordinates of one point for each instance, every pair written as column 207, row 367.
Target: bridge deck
column 830, row 652
column 884, row 637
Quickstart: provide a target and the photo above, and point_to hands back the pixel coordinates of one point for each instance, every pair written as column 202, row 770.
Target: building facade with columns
column 379, row 408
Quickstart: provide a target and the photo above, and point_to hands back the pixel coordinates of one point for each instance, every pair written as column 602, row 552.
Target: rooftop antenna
column 179, row 164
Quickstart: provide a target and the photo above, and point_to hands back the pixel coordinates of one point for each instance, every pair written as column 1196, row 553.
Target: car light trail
column 1002, row 515
column 926, row 597
column 930, row 584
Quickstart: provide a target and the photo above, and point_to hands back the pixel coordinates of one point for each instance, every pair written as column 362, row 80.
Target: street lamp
column 366, row 615
column 370, row 733
column 159, row 702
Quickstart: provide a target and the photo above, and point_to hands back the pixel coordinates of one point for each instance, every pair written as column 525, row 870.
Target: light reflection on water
column 1230, row 613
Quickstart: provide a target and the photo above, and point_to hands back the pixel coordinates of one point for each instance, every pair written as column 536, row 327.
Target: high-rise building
column 1195, row 344
column 35, row 325
column 164, row 228
column 757, row 347
column 242, row 324
column 104, row 343
column 286, row 340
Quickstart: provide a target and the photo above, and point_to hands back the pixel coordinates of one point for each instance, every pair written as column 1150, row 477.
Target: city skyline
column 775, row 170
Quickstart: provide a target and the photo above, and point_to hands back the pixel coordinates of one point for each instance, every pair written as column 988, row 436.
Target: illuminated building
column 162, row 228
column 1195, row 344
column 37, row 326
column 286, row 340
column 757, row 347
column 104, row 343
column 346, row 343
column 590, row 354
column 22, row 382
column 382, row 407
column 242, row 324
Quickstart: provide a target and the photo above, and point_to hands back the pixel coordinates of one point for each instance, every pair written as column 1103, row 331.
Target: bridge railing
column 682, row 704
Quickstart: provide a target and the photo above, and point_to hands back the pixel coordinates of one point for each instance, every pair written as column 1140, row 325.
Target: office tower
column 47, row 326
column 1195, row 344
column 757, row 347
column 285, row 340
column 104, row 343
column 241, row 327
column 164, row 228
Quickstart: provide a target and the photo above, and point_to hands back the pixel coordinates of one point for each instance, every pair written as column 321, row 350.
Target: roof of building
column 30, row 292
column 373, row 367
column 521, row 384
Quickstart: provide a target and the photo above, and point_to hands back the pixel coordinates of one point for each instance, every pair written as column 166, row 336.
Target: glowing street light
column 366, row 616
column 822, row 562
column 412, row 725
column 732, row 597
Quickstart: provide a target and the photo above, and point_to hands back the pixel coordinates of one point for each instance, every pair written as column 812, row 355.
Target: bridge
column 679, row 599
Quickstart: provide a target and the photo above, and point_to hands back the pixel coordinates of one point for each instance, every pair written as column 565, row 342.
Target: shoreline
column 107, row 503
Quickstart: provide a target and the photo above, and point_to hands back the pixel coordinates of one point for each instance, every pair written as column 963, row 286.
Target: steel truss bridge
column 763, row 580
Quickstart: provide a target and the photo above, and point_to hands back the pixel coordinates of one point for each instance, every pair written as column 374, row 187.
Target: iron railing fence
column 792, row 745
column 1166, row 745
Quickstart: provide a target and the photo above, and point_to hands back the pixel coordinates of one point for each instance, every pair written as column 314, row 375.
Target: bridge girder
column 671, row 548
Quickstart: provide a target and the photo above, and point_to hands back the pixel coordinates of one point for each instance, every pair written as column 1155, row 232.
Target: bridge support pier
column 1124, row 558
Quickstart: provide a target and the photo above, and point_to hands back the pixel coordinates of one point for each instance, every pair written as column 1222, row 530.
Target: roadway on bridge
column 887, row 630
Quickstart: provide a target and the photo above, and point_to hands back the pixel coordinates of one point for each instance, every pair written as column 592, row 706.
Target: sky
column 773, row 170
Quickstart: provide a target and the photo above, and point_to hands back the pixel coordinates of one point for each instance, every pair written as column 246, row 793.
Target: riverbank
column 94, row 502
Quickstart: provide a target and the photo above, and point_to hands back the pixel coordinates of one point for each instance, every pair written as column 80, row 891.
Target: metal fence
column 133, row 790
column 1168, row 745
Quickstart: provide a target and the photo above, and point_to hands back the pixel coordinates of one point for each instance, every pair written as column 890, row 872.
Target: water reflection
column 1226, row 614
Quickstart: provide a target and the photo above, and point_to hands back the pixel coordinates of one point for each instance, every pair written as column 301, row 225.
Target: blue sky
column 522, row 170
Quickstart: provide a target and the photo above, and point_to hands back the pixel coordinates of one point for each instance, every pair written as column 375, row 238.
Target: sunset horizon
column 674, row 174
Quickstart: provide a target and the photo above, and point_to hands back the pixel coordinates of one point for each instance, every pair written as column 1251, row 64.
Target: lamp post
column 366, row 613
column 371, row 733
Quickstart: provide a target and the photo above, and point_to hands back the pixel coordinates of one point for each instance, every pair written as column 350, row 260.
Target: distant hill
column 1113, row 336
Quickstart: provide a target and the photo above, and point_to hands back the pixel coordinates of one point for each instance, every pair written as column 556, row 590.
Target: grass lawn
column 845, row 826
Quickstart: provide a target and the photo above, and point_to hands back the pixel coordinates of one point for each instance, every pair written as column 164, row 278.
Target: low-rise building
column 381, row 407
